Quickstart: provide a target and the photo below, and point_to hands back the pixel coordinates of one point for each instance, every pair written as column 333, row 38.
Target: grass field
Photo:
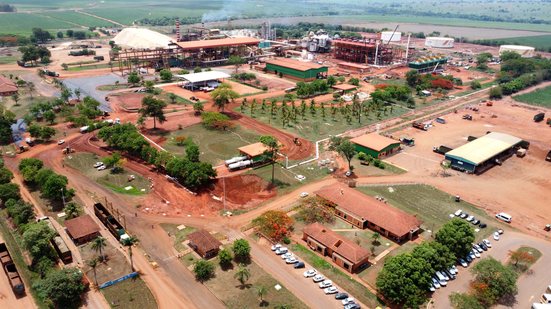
column 540, row 97
column 130, row 294
column 540, row 41
column 285, row 178
column 78, row 19
column 431, row 205
column 22, row 23
column 179, row 235
column 338, row 276
column 233, row 295
column 315, row 127
column 216, row 146
column 84, row 162
column 89, row 67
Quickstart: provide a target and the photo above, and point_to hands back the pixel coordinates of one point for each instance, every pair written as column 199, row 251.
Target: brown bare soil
column 242, row 190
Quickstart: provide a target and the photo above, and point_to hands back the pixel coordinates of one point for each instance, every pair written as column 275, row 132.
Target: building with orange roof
column 305, row 71
column 364, row 211
column 7, row 86
column 376, row 145
column 340, row 249
column 256, row 152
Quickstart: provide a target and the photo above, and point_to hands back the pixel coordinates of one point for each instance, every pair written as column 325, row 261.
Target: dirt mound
column 130, row 101
column 242, row 190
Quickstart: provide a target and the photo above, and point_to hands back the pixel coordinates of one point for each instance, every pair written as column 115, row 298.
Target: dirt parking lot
column 520, row 187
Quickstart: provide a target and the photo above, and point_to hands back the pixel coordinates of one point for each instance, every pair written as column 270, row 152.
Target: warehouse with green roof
column 304, row 71
column 483, row 152
column 428, row 64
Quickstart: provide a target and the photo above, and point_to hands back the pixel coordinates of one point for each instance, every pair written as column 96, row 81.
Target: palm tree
column 94, row 263
column 71, row 210
column 223, row 95
column 242, row 275
column 98, row 244
column 272, row 146
column 261, row 291
column 129, row 242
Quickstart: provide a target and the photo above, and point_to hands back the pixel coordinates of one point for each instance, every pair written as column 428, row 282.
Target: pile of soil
column 243, row 190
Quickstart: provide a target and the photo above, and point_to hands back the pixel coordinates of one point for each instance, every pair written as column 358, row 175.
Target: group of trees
column 41, row 132
column 406, row 278
column 392, row 94
column 315, row 209
column 152, row 107
column 52, row 185
column 316, row 87
column 33, row 53
column 518, row 73
column 7, row 118
column 492, row 282
column 204, row 270
column 274, row 224
column 189, row 171
column 421, row 82
column 216, row 121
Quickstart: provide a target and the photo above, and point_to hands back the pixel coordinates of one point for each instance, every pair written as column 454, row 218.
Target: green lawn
column 216, row 146
column 22, row 23
column 285, row 178
column 8, row 59
column 315, row 127
column 89, row 67
column 431, row 205
column 179, row 235
column 84, row 162
column 233, row 295
column 371, row 170
column 338, row 276
column 539, row 97
column 129, row 294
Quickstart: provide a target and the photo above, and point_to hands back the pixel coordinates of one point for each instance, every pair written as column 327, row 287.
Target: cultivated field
column 539, row 97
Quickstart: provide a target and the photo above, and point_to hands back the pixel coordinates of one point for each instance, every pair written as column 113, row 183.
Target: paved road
column 88, row 86
column 530, row 287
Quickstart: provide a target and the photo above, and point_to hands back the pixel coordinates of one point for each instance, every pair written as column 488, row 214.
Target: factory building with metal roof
column 483, row 152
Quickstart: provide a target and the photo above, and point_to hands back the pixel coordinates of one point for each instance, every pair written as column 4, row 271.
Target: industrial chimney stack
column 177, row 29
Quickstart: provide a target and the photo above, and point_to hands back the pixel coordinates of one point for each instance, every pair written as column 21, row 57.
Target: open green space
column 539, row 97
column 370, row 274
column 338, row 276
column 285, row 178
column 371, row 170
column 179, row 235
column 78, row 19
column 8, row 59
column 233, row 295
column 84, row 162
column 431, row 205
column 523, row 266
column 22, row 23
column 89, row 67
column 315, row 127
column 216, row 146
column 129, row 294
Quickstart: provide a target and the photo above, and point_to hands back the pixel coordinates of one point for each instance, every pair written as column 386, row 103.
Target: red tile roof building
column 204, row 243
column 340, row 249
column 7, row 86
column 82, row 229
column 364, row 211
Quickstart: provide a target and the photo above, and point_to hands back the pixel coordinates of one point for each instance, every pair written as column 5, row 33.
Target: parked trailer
column 442, row 149
column 10, row 269
column 421, row 126
column 234, row 160
column 58, row 243
column 408, row 141
column 539, row 117
column 240, row 165
column 108, row 220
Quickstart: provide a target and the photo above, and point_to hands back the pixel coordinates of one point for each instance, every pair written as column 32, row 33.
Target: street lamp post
column 63, row 197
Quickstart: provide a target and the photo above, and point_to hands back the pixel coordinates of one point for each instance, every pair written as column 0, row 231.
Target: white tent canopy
column 203, row 76
column 141, row 38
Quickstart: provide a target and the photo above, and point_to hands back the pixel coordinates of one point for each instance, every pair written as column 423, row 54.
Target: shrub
column 286, row 240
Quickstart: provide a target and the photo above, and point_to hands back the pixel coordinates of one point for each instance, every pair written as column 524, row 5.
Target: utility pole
column 224, row 185
column 63, row 197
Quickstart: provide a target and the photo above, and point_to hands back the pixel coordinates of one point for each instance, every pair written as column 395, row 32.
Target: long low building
column 376, row 145
column 305, row 71
column 340, row 249
column 364, row 211
column 483, row 152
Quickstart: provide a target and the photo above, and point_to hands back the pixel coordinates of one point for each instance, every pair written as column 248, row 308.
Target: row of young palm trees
column 100, row 243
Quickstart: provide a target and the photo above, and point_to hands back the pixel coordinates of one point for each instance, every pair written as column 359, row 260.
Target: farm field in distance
column 540, row 97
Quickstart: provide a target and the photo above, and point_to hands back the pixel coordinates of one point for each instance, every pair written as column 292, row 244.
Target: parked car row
column 470, row 218
column 441, row 278
column 319, row 279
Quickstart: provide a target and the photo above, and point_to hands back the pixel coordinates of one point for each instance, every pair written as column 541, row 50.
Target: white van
column 505, row 217
column 545, row 298
column 540, row 306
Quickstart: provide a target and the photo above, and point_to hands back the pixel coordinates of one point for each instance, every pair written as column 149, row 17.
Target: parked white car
column 487, row 243
column 347, row 301
column 101, row 168
column 318, row 278
column 291, row 260
column 286, row 255
column 458, row 212
column 98, row 164
column 281, row 250
column 310, row 273
column 496, row 236
column 275, row 247
column 304, row 194
column 331, row 290
column 325, row 284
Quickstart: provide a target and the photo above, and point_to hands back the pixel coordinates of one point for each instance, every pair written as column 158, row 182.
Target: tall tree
column 129, row 242
column 272, row 146
column 152, row 107
column 15, row 98
column 98, row 244
column 236, row 61
column 493, row 281
column 63, row 287
column 223, row 95
column 241, row 249
column 345, row 148
column 32, row 88
column 93, row 263
column 458, row 236
column 203, row 270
